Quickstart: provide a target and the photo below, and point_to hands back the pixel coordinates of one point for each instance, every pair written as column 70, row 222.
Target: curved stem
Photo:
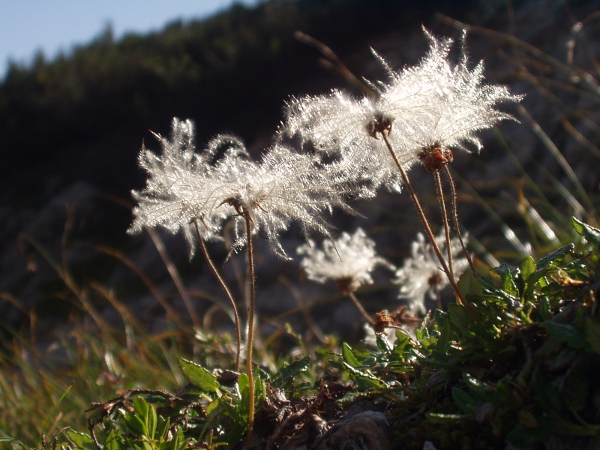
column 250, row 344
column 361, row 308
column 162, row 251
column 440, row 195
column 227, row 293
column 455, row 218
column 461, row 300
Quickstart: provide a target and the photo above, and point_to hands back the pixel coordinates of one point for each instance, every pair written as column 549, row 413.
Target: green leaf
column 445, row 418
column 527, row 268
column 361, row 351
column 383, row 344
column 141, row 408
column 287, row 373
column 81, row 440
column 349, row 356
column 62, row 397
column 365, row 383
column 469, row 284
column 508, row 285
column 177, row 442
column 486, row 392
column 135, row 424
column 15, row 441
column 113, row 440
column 402, row 340
column 444, row 337
column 364, row 379
column 151, row 422
column 567, row 334
column 464, row 401
column 162, row 428
column 199, row 376
column 244, row 388
column 459, row 318
column 590, row 233
column 556, row 255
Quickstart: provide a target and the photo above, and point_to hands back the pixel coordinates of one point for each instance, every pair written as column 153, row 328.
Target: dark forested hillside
column 73, row 126
column 83, row 116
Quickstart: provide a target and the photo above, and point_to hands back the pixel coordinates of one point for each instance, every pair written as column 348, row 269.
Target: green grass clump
column 521, row 373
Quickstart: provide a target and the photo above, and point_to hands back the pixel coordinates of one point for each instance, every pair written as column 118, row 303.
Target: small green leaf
column 15, row 441
column 113, row 440
column 199, row 376
column 361, row 351
column 464, row 401
column 567, row 334
column 162, row 428
column 81, row 440
column 445, row 418
column 151, row 422
column 444, row 337
column 287, row 373
column 365, row 383
column 527, row 268
column 590, row 233
column 460, row 319
column 556, row 255
column 364, row 378
column 349, row 356
column 135, row 424
column 508, row 285
column 141, row 408
column 469, row 284
column 383, row 344
column 402, row 340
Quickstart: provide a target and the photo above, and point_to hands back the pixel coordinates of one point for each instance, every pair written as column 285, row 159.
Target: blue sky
column 56, row 25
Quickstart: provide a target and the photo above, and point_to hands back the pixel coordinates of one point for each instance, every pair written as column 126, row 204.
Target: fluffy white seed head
column 171, row 198
column 224, row 183
column 348, row 260
column 433, row 103
column 421, row 277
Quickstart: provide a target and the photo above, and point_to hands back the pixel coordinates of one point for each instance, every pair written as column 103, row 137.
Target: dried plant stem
column 360, row 308
column 455, row 217
column 333, row 63
column 162, row 251
column 460, row 298
column 250, row 342
column 227, row 293
column 440, row 196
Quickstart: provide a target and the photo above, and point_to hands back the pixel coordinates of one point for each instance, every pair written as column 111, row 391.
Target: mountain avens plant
column 348, row 261
column 416, row 117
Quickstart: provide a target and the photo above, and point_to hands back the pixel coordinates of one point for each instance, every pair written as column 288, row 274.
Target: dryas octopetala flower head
column 348, row 260
column 224, row 183
column 421, row 278
column 425, row 110
column 171, row 197
column 284, row 187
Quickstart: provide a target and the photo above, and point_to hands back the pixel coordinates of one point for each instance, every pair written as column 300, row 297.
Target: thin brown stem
column 250, row 342
column 333, row 62
column 360, row 307
column 162, row 251
column 455, row 217
column 238, row 328
column 440, row 196
column 460, row 298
